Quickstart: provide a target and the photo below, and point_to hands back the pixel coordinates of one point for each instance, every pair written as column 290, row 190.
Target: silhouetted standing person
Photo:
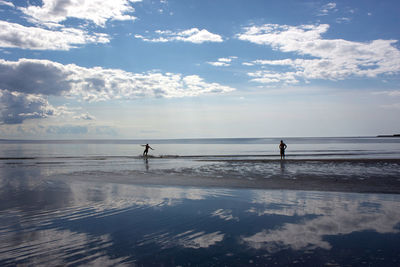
column 282, row 147
column 146, row 149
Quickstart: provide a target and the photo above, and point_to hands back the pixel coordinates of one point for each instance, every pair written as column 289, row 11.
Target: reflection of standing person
column 282, row 147
column 146, row 149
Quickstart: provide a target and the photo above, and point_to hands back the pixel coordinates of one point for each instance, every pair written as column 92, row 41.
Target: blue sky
column 187, row 69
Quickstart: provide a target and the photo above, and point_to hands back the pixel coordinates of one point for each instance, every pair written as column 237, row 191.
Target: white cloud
column 333, row 59
column 343, row 20
column 227, row 59
column 29, row 81
column 84, row 116
column 49, row 34
column 96, row 11
column 222, row 62
column 219, row 64
column 95, row 84
column 18, row 36
column 193, row 35
column 327, row 8
column 273, row 77
column 6, row 3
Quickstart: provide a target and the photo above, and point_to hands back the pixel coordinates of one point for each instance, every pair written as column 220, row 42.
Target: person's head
column 281, row 141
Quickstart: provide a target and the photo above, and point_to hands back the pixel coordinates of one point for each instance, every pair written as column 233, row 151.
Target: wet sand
column 386, row 185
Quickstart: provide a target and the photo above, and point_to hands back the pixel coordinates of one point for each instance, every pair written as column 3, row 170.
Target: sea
column 76, row 203
column 241, row 158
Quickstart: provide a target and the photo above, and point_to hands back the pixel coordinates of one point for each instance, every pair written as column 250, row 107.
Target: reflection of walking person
column 146, row 149
column 282, row 147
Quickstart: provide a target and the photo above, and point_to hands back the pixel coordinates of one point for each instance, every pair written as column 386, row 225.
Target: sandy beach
column 308, row 183
column 352, row 175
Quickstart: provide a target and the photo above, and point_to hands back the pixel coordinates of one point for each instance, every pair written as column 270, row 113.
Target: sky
column 150, row 69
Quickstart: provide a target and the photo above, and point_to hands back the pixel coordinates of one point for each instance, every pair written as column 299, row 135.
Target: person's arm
column 151, row 148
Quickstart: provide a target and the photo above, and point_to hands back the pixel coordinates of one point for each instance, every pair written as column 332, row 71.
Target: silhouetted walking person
column 146, row 149
column 282, row 147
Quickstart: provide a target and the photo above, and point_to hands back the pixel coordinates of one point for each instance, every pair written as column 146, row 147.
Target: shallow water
column 338, row 158
column 59, row 204
column 264, row 148
column 53, row 222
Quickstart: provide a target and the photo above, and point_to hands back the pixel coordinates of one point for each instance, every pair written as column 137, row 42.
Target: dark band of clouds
column 25, row 85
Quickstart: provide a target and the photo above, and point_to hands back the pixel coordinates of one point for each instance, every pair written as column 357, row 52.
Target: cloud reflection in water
column 336, row 214
column 75, row 222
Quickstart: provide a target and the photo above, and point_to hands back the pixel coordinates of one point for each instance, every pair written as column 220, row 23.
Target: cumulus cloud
column 96, row 84
column 50, row 34
column 333, row 59
column 16, row 107
column 273, row 77
column 96, row 11
column 30, row 81
column 14, row 35
column 193, row 35
column 84, row 116
column 34, row 77
column 222, row 62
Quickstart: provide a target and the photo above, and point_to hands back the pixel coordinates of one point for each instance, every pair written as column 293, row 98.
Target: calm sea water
column 348, row 147
column 54, row 209
column 57, row 223
column 247, row 158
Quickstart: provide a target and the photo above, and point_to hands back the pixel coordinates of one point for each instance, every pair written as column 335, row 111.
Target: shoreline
column 302, row 183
